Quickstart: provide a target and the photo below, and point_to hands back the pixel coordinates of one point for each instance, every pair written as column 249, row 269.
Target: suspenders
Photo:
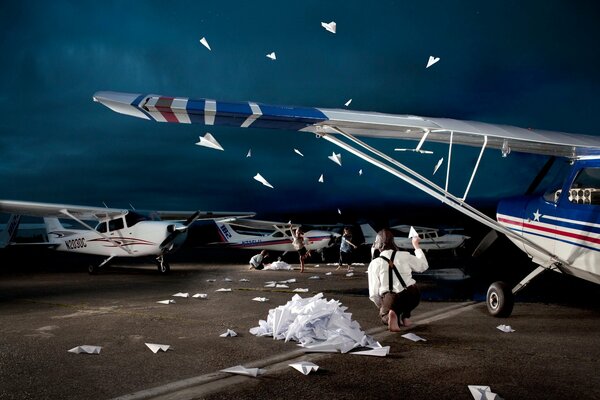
column 393, row 268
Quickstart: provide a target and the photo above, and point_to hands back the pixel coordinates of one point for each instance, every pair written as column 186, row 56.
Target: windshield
column 132, row 218
column 554, row 180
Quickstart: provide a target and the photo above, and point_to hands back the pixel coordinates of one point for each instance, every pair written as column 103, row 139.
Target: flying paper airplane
column 339, row 211
column 249, row 153
column 262, row 180
column 205, row 43
column 298, row 152
column 200, row 296
column 378, row 352
column 305, row 367
column 438, row 165
column 228, row 333
column 321, row 178
column 348, row 103
column 181, row 294
column 432, row 60
column 166, row 301
column 505, row 328
column 87, row 349
column 336, row 158
column 209, row 141
column 272, row 56
column 240, row 370
column 156, row 347
column 413, row 337
column 329, row 26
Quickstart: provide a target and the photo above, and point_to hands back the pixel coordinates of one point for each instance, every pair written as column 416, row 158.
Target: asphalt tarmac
column 554, row 352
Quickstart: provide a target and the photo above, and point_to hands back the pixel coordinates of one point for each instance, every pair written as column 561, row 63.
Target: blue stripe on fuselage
column 195, row 110
column 232, row 114
column 291, row 118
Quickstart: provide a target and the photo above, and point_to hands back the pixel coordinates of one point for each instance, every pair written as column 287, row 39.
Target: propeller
column 175, row 231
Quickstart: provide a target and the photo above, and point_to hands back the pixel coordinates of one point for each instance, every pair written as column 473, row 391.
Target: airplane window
column 132, row 218
column 554, row 180
column 101, row 227
column 586, row 187
column 115, row 224
column 278, row 234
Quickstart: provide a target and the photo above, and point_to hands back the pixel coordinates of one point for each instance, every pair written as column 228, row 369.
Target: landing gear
column 94, row 269
column 163, row 266
column 500, row 300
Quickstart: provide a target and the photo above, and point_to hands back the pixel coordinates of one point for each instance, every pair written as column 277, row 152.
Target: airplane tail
column 53, row 225
column 8, row 234
column 227, row 234
column 369, row 233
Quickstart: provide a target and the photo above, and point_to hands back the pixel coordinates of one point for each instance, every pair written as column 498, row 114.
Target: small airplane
column 118, row 232
column 431, row 239
column 559, row 230
column 267, row 235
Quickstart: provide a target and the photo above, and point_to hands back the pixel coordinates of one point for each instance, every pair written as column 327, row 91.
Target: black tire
column 164, row 268
column 92, row 269
column 500, row 300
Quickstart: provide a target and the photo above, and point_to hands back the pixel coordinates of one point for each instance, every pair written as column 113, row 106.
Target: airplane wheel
column 500, row 300
column 92, row 269
column 164, row 268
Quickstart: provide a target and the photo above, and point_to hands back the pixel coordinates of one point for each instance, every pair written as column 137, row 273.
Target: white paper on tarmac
column 292, row 280
column 166, row 302
column 200, row 296
column 377, row 352
column 227, row 280
column 350, row 274
column 306, row 367
column 156, row 347
column 209, row 141
column 205, row 43
column 223, row 290
column 505, row 328
column 180, row 294
column 86, row 349
column 413, row 337
column 244, row 280
column 300, row 290
column 314, row 277
column 228, row 333
column 278, row 265
column 211, row 280
column 329, row 26
column 272, row 56
column 282, row 286
column 336, row 158
column 240, row 370
column 432, row 60
column 260, row 299
column 262, row 180
column 480, row 392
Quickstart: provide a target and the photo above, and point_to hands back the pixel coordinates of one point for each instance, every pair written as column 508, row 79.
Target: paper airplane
column 328, row 273
column 293, row 280
column 260, row 299
column 200, row 296
column 262, row 180
column 348, row 103
column 244, row 280
column 270, row 285
column 413, row 337
column 505, row 328
column 314, row 277
column 156, row 347
column 228, row 333
column 321, row 178
column 208, row 140
column 305, row 367
column 438, row 165
column 339, row 211
column 415, row 150
column 282, row 286
column 223, row 290
column 240, row 370
column 300, row 290
column 349, row 274
column 336, row 158
column 272, row 56
column 329, row 26
column 298, row 152
column 228, row 280
column 360, row 172
column 412, row 233
column 483, row 393
column 166, row 301
column 249, row 153
column 211, row 280
column 205, row 43
column 432, row 60
column 181, row 294
column 87, row 349
column 378, row 352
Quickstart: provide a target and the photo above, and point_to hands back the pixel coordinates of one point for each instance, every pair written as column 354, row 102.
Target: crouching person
column 257, row 261
column 391, row 285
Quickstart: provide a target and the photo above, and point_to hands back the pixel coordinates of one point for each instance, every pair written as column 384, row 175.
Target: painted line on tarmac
column 196, row 387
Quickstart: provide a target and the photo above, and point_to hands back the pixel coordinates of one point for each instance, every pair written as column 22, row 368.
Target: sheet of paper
column 349, row 274
column 300, row 290
column 412, row 233
column 432, row 60
column 205, row 43
column 336, row 158
column 278, row 265
column 413, row 337
column 211, row 280
column 270, row 285
column 291, row 280
column 228, row 333
column 227, row 280
column 298, row 152
column 180, row 294
column 438, row 165
column 272, row 56
column 156, row 347
column 260, row 299
column 378, row 352
column 321, row 179
column 262, row 180
column 209, row 141
column 329, row 26
column 314, row 277
column 166, row 302
column 306, row 367
column 328, row 273
column 240, row 370
column 505, row 328
column 480, row 392
column 223, row 290
column 200, row 296
column 282, row 286
column 244, row 280
column 86, row 349
column 348, row 103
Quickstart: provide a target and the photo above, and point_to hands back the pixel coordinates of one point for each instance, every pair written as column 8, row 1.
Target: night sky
column 530, row 64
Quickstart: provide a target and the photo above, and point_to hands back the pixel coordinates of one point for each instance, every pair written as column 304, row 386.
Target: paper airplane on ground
column 329, row 26
column 328, row 273
column 181, row 294
column 244, row 280
column 321, row 178
column 208, row 140
column 270, row 285
column 166, row 301
column 349, row 274
column 298, row 152
column 272, row 56
column 336, row 158
column 262, row 180
column 228, row 333
column 378, row 352
column 300, row 290
column 483, row 393
column 282, row 286
column 156, row 347
column 87, row 349
column 413, row 337
column 306, row 367
column 505, row 328
column 438, row 165
column 223, row 290
column 240, row 370
column 348, row 103
column 314, row 277
column 432, row 60
column 260, row 299
column 200, row 296
column 412, row 233
column 211, row 280
column 249, row 153
column 205, row 43
column 228, row 280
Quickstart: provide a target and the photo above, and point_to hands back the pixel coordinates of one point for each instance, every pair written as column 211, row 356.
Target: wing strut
column 426, row 186
column 475, row 169
column 68, row 214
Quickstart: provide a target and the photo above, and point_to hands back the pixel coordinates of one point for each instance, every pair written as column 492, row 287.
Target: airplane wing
column 184, row 215
column 260, row 224
column 35, row 209
column 357, row 123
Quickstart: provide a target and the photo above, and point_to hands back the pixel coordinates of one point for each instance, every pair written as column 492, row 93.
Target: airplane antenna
column 105, row 205
column 132, row 207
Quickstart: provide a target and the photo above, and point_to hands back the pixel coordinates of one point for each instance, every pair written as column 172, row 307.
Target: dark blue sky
column 531, row 64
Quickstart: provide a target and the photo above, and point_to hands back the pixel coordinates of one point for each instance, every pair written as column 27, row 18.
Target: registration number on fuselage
column 75, row 243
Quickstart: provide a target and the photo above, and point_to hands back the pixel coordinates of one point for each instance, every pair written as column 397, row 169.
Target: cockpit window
column 115, row 224
column 101, row 227
column 554, row 180
column 586, row 187
column 132, row 218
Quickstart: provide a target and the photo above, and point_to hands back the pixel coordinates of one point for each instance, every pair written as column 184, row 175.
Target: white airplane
column 274, row 236
column 559, row 231
column 431, row 239
column 118, row 233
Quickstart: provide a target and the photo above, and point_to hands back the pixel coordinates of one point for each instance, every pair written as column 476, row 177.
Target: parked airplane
column 431, row 239
column 118, row 233
column 559, row 231
column 274, row 236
